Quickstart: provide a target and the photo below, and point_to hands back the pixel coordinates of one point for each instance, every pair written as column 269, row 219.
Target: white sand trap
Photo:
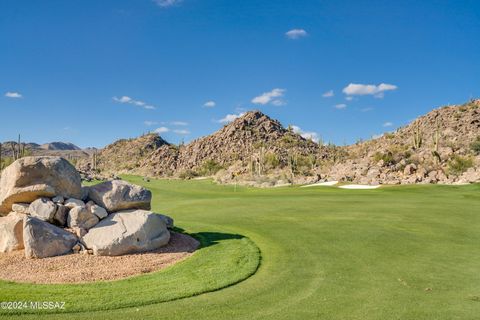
column 359, row 186
column 321, row 184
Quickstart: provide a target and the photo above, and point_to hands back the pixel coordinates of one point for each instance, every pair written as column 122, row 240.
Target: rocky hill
column 123, row 156
column 442, row 146
column 59, row 146
column 251, row 146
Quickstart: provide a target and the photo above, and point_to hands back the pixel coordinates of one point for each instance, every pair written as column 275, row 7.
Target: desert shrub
column 387, row 157
column 271, row 160
column 475, row 145
column 389, row 136
column 458, row 164
column 187, row 174
column 210, row 167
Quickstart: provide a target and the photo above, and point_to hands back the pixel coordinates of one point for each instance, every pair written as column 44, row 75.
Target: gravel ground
column 75, row 268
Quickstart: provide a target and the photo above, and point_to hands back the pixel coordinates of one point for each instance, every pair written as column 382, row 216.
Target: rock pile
column 46, row 211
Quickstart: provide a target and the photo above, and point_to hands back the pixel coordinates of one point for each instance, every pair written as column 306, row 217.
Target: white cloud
column 128, row 100
column 328, row 94
column 367, row 109
column 270, row 97
column 296, row 33
column 230, row 117
column 182, row 132
column 348, row 98
column 150, row 123
column 167, row 3
column 179, row 123
column 340, row 106
column 306, row 134
column 161, row 130
column 14, row 95
column 368, row 89
column 388, row 124
column 210, row 104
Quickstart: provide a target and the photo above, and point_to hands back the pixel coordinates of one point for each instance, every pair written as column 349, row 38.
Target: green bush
column 458, row 165
column 187, row 174
column 387, row 157
column 271, row 160
column 475, row 145
column 210, row 167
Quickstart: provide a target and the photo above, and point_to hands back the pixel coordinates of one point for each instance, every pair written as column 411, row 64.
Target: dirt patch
column 76, row 268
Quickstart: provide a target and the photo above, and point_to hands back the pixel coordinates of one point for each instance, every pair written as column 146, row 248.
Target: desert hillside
column 440, row 147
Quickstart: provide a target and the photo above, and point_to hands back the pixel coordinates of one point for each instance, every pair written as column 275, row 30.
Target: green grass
column 409, row 252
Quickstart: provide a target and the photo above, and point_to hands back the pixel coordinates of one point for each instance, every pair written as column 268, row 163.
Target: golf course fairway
column 404, row 252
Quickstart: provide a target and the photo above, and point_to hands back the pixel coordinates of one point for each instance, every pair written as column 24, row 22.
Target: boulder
column 58, row 199
column 42, row 239
column 60, row 217
column 20, row 207
column 11, row 232
column 80, row 217
column 71, row 203
column 120, row 195
column 30, row 178
column 97, row 210
column 168, row 220
column 43, row 209
column 126, row 232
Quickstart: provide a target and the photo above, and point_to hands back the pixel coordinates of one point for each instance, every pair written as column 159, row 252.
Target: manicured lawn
column 326, row 253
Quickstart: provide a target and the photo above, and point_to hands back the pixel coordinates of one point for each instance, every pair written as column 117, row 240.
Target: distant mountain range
column 64, row 149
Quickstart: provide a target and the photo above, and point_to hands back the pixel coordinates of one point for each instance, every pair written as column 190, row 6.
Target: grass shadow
column 208, row 239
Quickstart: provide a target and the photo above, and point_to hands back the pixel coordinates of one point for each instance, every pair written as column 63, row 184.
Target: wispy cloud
column 210, row 104
column 150, row 123
column 162, row 130
column 328, row 94
column 296, row 34
column 182, row 132
column 230, row 117
column 349, row 98
column 13, row 95
column 128, row 100
column 274, row 97
column 367, row 109
column 340, row 106
column 167, row 3
column 368, row 89
column 306, row 134
column 387, row 124
column 179, row 123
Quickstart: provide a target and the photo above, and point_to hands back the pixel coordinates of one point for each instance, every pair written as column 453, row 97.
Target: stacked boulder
column 45, row 210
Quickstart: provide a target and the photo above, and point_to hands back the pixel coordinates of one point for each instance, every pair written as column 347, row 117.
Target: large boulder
column 11, row 232
column 43, row 209
column 119, row 195
column 42, row 239
column 126, row 232
column 30, row 178
column 81, row 217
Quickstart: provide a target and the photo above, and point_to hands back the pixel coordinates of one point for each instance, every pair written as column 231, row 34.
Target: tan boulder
column 11, row 232
column 30, row 178
column 126, row 232
column 120, row 195
column 42, row 239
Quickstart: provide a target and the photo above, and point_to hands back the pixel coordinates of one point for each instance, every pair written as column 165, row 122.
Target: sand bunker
column 321, row 184
column 359, row 186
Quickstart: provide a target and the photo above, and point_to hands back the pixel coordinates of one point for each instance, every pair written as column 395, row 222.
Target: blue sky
column 90, row 72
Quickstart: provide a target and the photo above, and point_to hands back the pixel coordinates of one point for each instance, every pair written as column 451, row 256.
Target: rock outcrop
column 30, row 178
column 126, row 232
